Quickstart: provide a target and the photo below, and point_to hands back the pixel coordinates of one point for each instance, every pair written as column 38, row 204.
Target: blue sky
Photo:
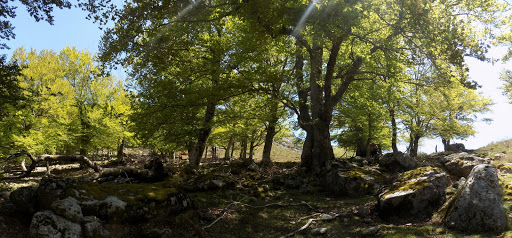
column 72, row 29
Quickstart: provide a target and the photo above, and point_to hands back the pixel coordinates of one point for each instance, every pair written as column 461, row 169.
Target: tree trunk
column 251, row 151
column 369, row 139
column 227, row 153
column 446, row 144
column 322, row 149
column 232, row 150
column 84, row 138
column 120, row 150
column 243, row 149
column 269, row 137
column 202, row 138
column 415, row 145
column 394, row 130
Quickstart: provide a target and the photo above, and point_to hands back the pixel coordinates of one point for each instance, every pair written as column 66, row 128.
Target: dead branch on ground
column 99, row 171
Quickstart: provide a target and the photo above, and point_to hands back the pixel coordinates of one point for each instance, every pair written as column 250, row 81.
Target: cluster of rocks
column 420, row 191
column 59, row 210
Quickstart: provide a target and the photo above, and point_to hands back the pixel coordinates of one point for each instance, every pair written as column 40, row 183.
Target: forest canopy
column 232, row 74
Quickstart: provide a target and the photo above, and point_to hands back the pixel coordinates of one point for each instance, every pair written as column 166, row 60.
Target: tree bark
column 415, row 145
column 446, row 144
column 394, row 130
column 269, row 137
column 227, row 153
column 120, row 150
column 243, row 149
column 317, row 150
column 251, row 152
column 202, row 138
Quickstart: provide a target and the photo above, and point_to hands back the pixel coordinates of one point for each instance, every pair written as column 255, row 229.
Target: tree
column 72, row 108
column 506, row 77
column 184, row 59
column 199, row 45
column 362, row 119
column 440, row 101
column 340, row 42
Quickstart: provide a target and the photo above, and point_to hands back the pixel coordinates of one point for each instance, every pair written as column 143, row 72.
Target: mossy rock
column 143, row 200
column 418, row 194
column 353, row 182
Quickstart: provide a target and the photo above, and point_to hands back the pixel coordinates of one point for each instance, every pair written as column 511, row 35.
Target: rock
column 177, row 202
column 156, row 168
column 353, row 182
column 457, row 147
column 93, row 229
column 68, row 208
column 419, row 193
column 53, row 189
column 477, row 206
column 499, row 156
column 254, row 167
column 319, row 231
column 45, row 224
column 218, row 183
column 461, row 164
column 25, row 199
column 505, row 168
column 397, row 162
column 372, row 231
column 112, row 208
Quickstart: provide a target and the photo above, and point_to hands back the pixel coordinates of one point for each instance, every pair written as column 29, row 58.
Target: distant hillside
column 494, row 148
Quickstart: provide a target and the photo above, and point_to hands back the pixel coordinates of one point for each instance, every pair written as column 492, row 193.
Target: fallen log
column 99, row 171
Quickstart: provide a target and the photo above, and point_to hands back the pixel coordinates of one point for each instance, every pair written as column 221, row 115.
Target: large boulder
column 457, row 147
column 353, row 182
column 461, row 164
column 46, row 224
column 397, row 162
column 112, row 208
column 419, row 193
column 25, row 199
column 53, row 189
column 477, row 205
column 68, row 208
column 93, row 228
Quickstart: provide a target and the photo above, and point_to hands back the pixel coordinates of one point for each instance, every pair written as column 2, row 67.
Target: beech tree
column 340, row 42
column 72, row 109
column 201, row 49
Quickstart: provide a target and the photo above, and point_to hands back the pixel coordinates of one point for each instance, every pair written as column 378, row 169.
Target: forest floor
column 266, row 202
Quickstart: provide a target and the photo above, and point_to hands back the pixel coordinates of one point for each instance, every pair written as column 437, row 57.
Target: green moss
column 419, row 172
column 407, row 184
column 130, row 193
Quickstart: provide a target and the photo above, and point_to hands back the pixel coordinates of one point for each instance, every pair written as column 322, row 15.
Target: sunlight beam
column 300, row 25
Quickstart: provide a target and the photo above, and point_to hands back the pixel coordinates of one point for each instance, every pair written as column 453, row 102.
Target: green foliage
column 314, row 57
column 363, row 118
column 71, row 107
